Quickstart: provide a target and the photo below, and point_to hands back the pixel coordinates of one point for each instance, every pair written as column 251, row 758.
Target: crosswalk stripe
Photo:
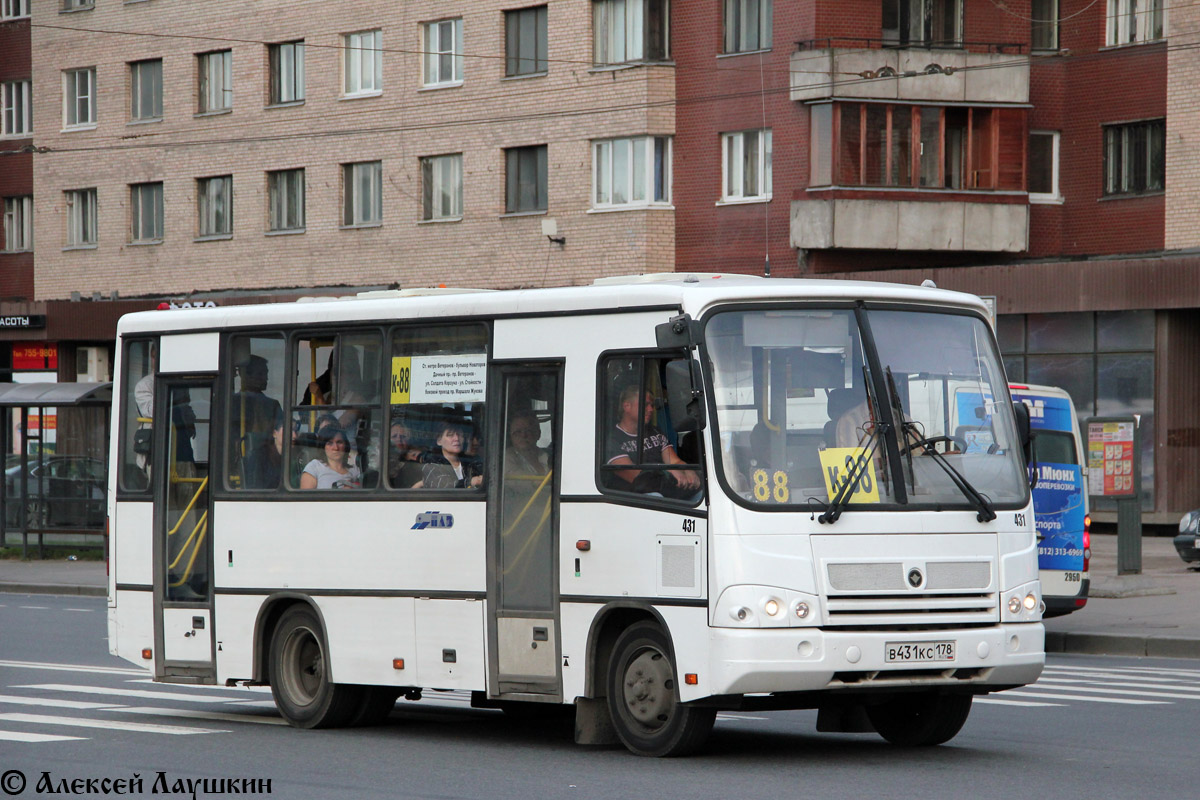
column 72, row 668
column 191, row 713
column 186, row 698
column 49, row 702
column 1133, row 692
column 1100, row 676
column 21, row 736
column 1186, row 673
column 1185, row 691
column 106, row 724
column 1122, row 700
column 999, row 701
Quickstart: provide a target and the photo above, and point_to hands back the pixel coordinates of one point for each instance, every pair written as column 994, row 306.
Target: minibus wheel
column 300, row 674
column 643, row 698
column 921, row 719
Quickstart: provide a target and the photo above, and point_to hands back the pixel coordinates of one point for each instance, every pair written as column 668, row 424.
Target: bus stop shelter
column 55, row 486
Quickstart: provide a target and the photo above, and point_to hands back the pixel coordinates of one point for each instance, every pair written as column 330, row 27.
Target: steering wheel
column 932, row 440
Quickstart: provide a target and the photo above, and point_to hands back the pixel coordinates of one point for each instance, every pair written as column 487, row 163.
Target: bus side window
column 254, row 449
column 138, row 408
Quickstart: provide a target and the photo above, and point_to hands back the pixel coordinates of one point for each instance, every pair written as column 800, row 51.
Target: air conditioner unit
column 91, row 364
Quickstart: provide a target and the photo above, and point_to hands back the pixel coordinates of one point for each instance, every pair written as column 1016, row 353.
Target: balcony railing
column 1012, row 48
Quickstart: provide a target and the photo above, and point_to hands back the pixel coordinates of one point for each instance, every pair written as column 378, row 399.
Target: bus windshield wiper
column 914, row 438
column 858, row 468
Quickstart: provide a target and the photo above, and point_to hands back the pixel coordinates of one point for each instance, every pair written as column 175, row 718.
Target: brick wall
column 1182, row 224
column 566, row 109
column 16, row 169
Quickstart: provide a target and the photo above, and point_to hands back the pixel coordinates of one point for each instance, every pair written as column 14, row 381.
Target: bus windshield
column 799, row 411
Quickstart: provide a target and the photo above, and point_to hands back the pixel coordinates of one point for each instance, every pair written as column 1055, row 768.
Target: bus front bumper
column 765, row 660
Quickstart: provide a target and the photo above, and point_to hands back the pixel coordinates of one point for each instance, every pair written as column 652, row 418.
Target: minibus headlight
column 771, row 607
column 740, row 613
column 1030, row 601
column 801, row 610
column 1014, row 605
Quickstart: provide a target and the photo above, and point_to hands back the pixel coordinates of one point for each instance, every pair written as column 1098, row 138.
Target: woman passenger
column 332, row 469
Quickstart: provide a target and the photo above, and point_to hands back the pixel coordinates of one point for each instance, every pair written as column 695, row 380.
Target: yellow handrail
column 192, row 561
column 199, row 524
column 195, row 496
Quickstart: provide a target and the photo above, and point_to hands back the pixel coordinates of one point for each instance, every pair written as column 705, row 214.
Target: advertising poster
column 1058, row 515
column 1110, row 458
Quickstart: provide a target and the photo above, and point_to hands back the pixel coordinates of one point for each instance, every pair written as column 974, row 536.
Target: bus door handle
column 541, row 635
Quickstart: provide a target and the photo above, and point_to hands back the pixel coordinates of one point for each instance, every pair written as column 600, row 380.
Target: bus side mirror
column 685, row 399
column 1023, row 430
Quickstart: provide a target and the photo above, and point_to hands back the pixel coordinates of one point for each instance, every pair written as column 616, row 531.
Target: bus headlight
column 1030, row 602
column 756, row 606
column 771, row 607
column 800, row 609
column 1014, row 605
column 1023, row 603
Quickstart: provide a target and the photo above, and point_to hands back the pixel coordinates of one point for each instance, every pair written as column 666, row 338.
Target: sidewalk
column 1156, row 613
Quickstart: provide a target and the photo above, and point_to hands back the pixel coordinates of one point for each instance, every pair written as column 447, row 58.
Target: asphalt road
column 1091, row 727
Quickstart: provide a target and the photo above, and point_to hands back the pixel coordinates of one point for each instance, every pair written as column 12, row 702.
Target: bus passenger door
column 523, row 635
column 183, row 630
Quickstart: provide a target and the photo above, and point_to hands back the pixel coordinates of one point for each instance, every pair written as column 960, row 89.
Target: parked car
column 64, row 492
column 1187, row 543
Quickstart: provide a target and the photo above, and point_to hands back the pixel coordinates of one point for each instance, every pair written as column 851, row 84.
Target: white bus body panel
column 132, row 542
column 132, row 629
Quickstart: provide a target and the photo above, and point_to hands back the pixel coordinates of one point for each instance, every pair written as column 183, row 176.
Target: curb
column 42, row 588
column 1112, row 644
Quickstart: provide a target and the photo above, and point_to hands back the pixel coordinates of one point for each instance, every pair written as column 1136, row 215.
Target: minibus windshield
column 798, row 409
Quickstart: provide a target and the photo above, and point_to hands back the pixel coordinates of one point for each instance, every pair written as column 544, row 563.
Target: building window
column 79, row 97
column 922, row 23
column 1131, row 21
column 1104, row 360
column 146, row 212
column 1044, row 21
column 1043, row 167
column 14, row 9
column 287, row 72
column 525, row 179
column 145, row 89
column 81, row 218
column 441, row 187
column 630, row 30
column 16, row 110
column 362, row 193
column 747, row 25
column 286, row 190
column 18, row 224
column 77, row 5
column 1134, row 160
column 525, row 41
column 443, row 52
column 925, row 146
column 632, row 172
column 746, row 165
column 214, row 201
column 216, row 81
column 363, row 62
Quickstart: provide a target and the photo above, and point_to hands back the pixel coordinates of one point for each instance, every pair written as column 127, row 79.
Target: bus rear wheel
column 920, row 720
column 643, row 701
column 300, row 683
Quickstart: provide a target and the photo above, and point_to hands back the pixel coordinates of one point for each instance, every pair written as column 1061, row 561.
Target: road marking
column 35, row 608
column 71, row 668
column 187, row 698
column 50, row 702
column 1121, row 700
column 191, row 713
column 1100, row 676
column 1105, row 690
column 106, row 724
column 998, row 701
column 1132, row 683
column 723, row 715
column 1188, row 673
column 85, row 610
column 255, row 689
column 19, row 736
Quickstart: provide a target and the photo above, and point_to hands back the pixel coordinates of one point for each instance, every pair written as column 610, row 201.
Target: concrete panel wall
column 909, row 225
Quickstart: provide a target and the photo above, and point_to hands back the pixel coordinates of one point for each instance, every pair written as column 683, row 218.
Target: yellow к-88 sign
column 836, row 463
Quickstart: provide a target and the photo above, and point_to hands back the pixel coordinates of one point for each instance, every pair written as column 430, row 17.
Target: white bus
column 648, row 499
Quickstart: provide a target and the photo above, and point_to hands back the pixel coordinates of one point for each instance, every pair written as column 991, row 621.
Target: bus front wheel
column 300, row 683
column 643, row 700
column 920, row 720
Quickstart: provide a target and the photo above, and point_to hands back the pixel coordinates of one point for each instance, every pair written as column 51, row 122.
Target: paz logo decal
column 433, row 519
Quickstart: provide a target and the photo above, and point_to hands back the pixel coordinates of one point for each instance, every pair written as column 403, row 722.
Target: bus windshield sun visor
column 913, row 437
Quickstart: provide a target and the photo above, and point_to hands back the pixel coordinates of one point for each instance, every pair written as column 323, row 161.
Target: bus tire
column 920, row 720
column 643, row 698
column 299, row 669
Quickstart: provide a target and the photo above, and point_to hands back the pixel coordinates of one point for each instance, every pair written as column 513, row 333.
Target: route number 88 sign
column 836, row 463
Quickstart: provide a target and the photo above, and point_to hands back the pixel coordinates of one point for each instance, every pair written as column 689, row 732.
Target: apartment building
column 1037, row 152
column 278, row 145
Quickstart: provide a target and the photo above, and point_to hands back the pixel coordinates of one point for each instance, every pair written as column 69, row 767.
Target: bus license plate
column 917, row 652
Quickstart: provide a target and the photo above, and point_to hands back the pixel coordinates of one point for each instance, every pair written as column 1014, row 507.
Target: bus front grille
column 904, row 610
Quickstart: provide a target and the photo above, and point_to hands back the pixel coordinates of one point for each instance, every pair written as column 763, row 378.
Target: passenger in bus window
column 404, row 458
column 320, row 389
column 331, row 470
column 252, row 412
column 450, row 468
column 621, row 448
column 523, row 456
column 264, row 464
